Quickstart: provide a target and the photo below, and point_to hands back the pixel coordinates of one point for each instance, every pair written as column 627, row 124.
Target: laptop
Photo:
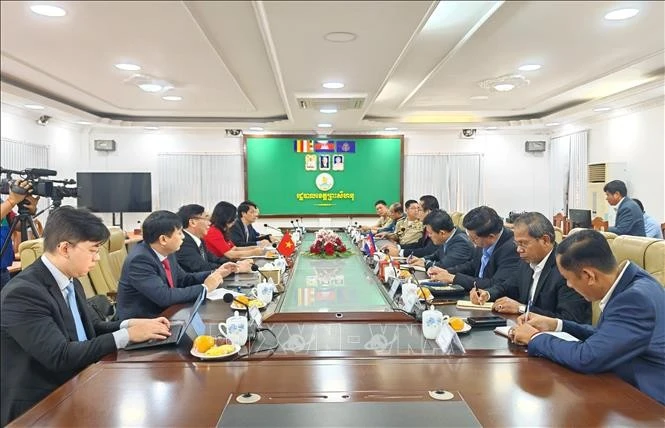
column 178, row 329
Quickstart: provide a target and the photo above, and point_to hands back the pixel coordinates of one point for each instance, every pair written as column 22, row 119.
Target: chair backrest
column 31, row 250
column 633, row 248
column 595, row 312
column 101, row 276
column 456, row 218
column 117, row 251
column 558, row 234
column 16, row 235
column 598, row 223
column 654, row 260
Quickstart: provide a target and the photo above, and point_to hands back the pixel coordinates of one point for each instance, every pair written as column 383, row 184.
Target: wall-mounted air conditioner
column 600, row 174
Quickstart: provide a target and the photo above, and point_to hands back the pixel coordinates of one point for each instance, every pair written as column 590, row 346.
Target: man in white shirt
column 537, row 284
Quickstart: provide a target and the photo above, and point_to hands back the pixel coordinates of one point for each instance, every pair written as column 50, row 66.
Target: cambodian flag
column 324, row 146
column 369, row 247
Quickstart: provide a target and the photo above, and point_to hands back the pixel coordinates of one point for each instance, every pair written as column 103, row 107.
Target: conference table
column 339, row 352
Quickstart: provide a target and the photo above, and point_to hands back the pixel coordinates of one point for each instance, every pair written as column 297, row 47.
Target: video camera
column 48, row 188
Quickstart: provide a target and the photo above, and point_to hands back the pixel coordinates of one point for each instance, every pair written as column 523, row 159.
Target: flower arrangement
column 327, row 244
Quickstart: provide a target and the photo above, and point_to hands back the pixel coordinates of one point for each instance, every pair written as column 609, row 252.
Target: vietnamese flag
column 286, row 246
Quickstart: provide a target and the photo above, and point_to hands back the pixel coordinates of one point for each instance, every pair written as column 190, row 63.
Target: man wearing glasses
column 193, row 256
column 538, row 283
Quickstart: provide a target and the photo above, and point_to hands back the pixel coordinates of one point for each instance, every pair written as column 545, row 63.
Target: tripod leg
column 8, row 239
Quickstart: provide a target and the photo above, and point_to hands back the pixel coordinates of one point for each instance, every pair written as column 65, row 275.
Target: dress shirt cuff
column 401, row 252
column 205, row 291
column 559, row 325
column 121, row 337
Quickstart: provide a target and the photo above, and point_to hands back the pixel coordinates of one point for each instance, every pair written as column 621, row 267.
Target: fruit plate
column 240, row 307
column 465, row 329
column 203, row 356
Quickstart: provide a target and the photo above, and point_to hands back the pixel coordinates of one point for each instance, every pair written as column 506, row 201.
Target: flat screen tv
column 580, row 218
column 115, row 192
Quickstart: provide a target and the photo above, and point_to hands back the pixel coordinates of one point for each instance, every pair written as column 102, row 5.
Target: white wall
column 638, row 139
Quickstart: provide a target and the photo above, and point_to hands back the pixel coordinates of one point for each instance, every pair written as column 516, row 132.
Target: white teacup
column 263, row 291
column 234, row 329
column 433, row 322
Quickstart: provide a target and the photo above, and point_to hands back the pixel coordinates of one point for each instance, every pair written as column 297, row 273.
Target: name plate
column 393, row 288
column 255, row 314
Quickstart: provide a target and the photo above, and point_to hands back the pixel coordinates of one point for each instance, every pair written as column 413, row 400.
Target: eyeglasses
column 93, row 251
column 524, row 244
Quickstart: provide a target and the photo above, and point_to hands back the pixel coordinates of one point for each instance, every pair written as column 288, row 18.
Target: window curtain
column 200, row 178
column 568, row 172
column 18, row 155
column 455, row 179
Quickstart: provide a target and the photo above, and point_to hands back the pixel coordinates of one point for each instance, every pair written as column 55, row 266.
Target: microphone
column 386, row 251
column 293, row 224
column 271, row 227
column 255, row 268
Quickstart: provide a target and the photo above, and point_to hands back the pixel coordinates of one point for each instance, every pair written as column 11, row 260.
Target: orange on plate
column 428, row 294
column 456, row 323
column 203, row 343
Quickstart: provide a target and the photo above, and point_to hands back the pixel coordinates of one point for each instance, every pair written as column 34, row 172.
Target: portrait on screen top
column 338, row 163
column 324, row 162
column 310, row 162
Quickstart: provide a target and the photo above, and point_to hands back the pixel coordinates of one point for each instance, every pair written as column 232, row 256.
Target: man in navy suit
column 538, row 280
column 152, row 280
column 630, row 337
column 242, row 232
column 494, row 259
column 629, row 219
column 452, row 246
column 48, row 334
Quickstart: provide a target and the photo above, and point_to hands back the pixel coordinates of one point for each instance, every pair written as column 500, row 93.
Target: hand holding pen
column 478, row 296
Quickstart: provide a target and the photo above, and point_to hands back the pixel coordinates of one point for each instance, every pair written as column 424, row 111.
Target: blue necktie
column 483, row 262
column 71, row 301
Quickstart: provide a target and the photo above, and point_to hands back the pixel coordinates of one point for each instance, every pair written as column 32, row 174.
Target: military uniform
column 408, row 232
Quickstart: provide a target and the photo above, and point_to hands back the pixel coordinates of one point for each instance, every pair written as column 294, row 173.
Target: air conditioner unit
column 600, row 174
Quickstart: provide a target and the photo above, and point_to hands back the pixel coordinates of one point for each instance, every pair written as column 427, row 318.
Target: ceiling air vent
column 343, row 102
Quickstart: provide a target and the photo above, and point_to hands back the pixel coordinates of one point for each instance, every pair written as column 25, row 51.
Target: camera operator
column 7, row 215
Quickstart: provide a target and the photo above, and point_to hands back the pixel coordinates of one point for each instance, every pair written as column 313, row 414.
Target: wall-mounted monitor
column 580, row 218
column 115, row 192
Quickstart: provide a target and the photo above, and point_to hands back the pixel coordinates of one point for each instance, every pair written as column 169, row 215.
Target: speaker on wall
column 535, row 146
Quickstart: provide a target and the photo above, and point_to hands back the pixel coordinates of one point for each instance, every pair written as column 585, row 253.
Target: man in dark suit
column 193, row 256
column 629, row 218
column 452, row 246
column 495, row 258
column 538, row 282
column 151, row 278
column 48, row 334
column 242, row 233
column 630, row 337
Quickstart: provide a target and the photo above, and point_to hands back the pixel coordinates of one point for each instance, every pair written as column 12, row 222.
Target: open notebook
column 466, row 304
column 505, row 331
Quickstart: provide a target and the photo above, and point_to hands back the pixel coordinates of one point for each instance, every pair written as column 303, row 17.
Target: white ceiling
column 416, row 63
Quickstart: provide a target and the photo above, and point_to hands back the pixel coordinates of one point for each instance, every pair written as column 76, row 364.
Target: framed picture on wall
column 338, row 163
column 324, row 162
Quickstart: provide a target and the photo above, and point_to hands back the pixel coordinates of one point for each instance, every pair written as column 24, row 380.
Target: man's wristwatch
column 522, row 309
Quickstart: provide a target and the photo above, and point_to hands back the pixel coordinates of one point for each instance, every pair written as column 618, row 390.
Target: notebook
column 466, row 304
column 178, row 329
column 505, row 331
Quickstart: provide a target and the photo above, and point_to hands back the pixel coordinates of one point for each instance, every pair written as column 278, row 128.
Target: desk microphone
column 266, row 225
column 293, row 224
column 386, row 251
column 255, row 268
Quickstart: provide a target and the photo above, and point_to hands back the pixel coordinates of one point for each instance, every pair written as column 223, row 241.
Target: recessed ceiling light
column 34, row 107
column 151, row 128
column 172, row 98
column 392, row 128
column 128, row 67
column 333, row 85
column 340, row 37
column 530, row 67
column 324, row 125
column 504, row 87
column 83, row 122
column 491, row 128
column 619, row 14
column 602, row 109
column 479, row 97
column 150, row 87
column 48, row 10
column 552, row 124
column 328, row 110
column 256, row 128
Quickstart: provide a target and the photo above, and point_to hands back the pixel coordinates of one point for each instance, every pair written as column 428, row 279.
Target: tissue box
column 273, row 273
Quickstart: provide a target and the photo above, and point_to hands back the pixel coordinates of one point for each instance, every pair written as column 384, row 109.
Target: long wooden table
column 320, row 361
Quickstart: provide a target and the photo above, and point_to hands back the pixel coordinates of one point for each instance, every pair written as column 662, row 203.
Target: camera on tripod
column 41, row 186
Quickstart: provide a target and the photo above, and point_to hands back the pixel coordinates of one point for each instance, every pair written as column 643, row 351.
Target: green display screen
column 304, row 176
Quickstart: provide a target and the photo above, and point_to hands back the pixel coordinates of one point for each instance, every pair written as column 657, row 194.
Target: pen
column 528, row 308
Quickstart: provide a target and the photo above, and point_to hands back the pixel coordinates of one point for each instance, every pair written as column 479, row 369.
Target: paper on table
column 505, row 331
column 416, row 268
column 218, row 294
column 466, row 304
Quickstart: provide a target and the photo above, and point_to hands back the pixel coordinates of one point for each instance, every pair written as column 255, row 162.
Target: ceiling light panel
column 49, row 10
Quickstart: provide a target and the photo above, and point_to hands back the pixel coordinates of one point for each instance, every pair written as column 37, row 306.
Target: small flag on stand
column 369, row 247
column 286, row 247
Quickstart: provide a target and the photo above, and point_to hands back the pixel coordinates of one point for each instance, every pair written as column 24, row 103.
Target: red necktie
column 167, row 268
